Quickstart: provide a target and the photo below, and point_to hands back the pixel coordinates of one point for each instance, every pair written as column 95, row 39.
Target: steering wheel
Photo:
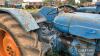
column 67, row 8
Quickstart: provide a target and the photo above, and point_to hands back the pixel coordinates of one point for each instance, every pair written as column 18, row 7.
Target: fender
column 23, row 17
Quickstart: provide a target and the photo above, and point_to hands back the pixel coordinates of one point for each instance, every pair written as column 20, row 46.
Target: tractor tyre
column 14, row 41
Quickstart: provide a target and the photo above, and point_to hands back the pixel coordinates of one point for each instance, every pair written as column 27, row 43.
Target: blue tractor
column 66, row 34
column 78, row 31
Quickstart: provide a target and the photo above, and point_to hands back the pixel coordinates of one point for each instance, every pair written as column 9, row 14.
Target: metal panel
column 86, row 9
column 98, row 7
column 49, row 13
column 62, row 22
column 81, row 24
column 85, row 32
column 23, row 17
column 85, row 25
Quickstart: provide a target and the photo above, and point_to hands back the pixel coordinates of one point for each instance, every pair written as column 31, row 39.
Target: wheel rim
column 8, row 46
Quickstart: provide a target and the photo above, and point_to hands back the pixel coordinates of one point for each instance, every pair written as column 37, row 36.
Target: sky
column 94, row 0
column 77, row 1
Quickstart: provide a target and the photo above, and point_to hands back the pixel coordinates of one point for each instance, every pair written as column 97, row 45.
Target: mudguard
column 23, row 17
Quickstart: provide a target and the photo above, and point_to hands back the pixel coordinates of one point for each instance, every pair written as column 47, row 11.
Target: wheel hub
column 8, row 46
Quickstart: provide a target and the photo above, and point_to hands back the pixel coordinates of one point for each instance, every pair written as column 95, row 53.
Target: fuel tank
column 81, row 24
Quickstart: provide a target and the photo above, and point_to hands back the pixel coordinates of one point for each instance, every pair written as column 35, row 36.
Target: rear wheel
column 14, row 41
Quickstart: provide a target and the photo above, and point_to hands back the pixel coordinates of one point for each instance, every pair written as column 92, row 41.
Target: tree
column 82, row 1
column 48, row 0
column 72, row 2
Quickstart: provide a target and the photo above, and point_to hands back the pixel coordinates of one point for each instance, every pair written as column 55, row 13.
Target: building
column 32, row 0
column 14, row 2
column 2, row 2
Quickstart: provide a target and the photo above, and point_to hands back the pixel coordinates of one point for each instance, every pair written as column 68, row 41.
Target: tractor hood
column 81, row 24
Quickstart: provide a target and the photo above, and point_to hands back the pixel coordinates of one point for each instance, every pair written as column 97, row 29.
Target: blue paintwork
column 23, row 17
column 61, row 23
column 98, row 6
column 49, row 13
column 86, row 9
column 81, row 24
column 94, row 9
